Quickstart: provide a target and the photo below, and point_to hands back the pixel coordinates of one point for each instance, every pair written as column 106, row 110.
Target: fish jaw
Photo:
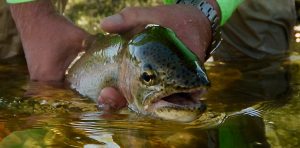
column 183, row 106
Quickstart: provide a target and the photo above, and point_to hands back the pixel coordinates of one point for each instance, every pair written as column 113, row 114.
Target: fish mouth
column 182, row 106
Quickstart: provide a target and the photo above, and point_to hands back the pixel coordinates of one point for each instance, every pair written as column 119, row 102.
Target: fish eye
column 148, row 77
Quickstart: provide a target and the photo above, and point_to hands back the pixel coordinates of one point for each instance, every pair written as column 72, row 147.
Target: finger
column 126, row 20
column 132, row 17
column 191, row 26
column 111, row 99
column 129, row 19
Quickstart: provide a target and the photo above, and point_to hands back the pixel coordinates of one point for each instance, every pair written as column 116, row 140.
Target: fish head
column 165, row 81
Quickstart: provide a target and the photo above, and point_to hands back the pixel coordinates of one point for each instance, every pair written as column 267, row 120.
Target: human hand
column 50, row 41
column 190, row 25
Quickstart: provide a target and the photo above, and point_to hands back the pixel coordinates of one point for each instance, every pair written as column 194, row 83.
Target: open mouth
column 185, row 101
column 183, row 106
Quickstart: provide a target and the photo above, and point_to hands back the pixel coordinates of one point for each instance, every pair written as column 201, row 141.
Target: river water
column 256, row 105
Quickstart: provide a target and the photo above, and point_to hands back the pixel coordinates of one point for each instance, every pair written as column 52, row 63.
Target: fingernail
column 115, row 19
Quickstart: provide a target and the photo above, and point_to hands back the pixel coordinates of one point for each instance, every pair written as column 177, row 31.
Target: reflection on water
column 34, row 114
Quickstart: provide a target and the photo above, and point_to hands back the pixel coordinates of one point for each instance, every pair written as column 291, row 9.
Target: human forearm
column 29, row 15
column 212, row 2
column 49, row 40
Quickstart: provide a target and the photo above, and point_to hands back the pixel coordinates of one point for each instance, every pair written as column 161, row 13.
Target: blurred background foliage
column 88, row 14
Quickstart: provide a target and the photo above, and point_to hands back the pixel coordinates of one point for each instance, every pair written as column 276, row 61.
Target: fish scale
column 145, row 69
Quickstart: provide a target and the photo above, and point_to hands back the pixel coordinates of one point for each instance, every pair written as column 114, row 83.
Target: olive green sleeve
column 168, row 2
column 227, row 7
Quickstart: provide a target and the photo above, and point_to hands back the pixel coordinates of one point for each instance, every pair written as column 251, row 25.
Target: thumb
column 128, row 19
column 111, row 99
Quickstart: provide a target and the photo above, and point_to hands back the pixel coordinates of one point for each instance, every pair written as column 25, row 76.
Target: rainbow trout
column 156, row 75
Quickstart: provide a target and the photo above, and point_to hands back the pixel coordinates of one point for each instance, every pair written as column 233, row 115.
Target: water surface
column 36, row 114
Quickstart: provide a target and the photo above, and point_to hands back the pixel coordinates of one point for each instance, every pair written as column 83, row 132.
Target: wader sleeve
column 258, row 29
